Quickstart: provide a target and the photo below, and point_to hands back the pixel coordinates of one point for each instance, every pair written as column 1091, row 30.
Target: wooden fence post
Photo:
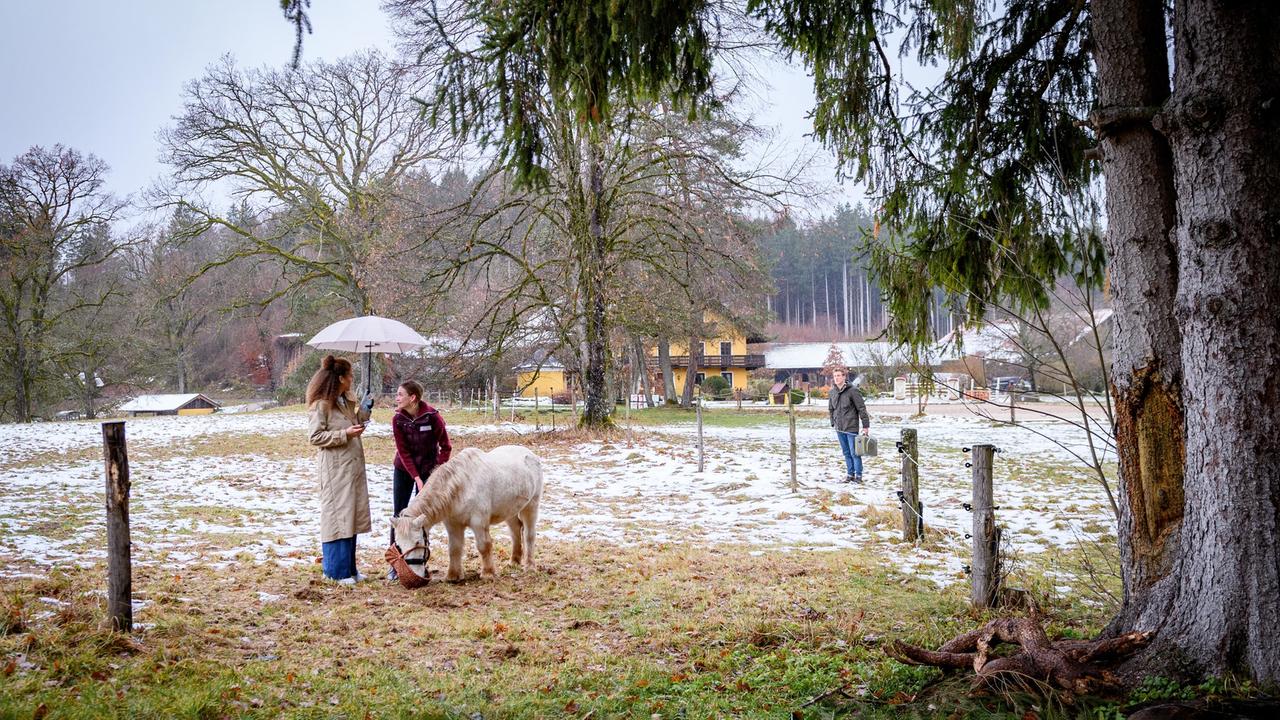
column 1013, row 420
column 513, row 406
column 698, row 406
column 537, row 405
column 791, row 421
column 985, row 569
column 119, row 563
column 912, row 509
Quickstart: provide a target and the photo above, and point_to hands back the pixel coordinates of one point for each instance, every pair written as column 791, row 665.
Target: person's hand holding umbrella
column 368, row 334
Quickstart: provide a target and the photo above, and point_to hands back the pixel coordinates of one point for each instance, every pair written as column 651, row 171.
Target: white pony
column 477, row 489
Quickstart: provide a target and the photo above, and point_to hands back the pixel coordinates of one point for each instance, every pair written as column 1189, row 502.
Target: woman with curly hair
column 336, row 423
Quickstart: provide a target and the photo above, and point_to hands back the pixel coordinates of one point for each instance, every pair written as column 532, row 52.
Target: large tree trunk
column 642, row 365
column 89, row 393
column 596, row 406
column 182, row 369
column 1219, row 609
column 1133, row 82
column 1199, row 548
column 691, row 374
column 668, row 376
column 25, row 385
column 21, row 386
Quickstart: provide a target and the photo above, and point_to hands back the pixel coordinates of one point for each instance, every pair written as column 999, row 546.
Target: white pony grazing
column 476, row 489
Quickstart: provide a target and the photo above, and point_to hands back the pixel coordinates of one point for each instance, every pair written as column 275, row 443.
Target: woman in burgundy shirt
column 422, row 443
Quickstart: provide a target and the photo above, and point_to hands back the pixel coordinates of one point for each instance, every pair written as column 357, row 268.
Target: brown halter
column 409, row 579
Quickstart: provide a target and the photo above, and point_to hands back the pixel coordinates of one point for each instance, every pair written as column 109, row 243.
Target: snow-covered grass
column 658, row 590
column 237, row 487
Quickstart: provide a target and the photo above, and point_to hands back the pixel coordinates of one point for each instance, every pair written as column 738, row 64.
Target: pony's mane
column 444, row 485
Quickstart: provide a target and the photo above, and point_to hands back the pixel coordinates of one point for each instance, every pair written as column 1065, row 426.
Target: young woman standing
column 336, row 424
column 422, row 443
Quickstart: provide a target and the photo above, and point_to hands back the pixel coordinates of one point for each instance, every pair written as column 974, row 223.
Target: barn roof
column 160, row 403
column 1000, row 340
column 786, row 356
column 548, row 364
column 993, row 341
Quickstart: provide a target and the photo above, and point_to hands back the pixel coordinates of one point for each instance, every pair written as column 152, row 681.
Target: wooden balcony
column 748, row 362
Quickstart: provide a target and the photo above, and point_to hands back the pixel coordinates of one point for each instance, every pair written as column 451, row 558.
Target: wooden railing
column 749, row 362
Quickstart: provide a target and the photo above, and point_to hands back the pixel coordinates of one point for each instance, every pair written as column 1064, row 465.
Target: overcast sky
column 104, row 77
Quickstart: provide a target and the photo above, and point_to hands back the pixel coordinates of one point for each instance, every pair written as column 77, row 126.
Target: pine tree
column 971, row 172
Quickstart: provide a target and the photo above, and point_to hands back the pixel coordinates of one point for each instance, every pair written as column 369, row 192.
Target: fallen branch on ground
column 1078, row 667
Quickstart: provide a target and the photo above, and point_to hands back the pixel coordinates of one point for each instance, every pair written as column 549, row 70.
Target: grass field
column 593, row 631
column 650, row 597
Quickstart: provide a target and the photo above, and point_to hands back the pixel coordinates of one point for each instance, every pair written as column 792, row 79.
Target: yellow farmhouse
column 724, row 355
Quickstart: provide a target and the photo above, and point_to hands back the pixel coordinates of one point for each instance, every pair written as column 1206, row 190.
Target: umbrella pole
column 368, row 369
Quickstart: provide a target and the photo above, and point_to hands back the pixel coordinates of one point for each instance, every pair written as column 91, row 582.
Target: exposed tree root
column 1077, row 667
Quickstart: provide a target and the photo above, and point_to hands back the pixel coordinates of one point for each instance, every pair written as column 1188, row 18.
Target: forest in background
column 100, row 305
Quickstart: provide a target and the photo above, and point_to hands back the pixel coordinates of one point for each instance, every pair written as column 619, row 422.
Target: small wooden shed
column 778, row 393
column 170, row 404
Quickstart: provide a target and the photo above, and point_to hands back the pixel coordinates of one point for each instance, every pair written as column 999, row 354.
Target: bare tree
column 586, row 167
column 653, row 208
column 318, row 160
column 175, row 300
column 95, row 346
column 321, row 151
column 54, row 216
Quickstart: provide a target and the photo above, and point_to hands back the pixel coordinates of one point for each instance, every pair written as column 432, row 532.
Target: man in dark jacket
column 847, row 409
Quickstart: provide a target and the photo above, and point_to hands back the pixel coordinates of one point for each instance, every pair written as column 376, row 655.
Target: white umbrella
column 368, row 334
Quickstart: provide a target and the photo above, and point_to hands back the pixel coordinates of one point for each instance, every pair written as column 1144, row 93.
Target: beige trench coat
column 343, row 488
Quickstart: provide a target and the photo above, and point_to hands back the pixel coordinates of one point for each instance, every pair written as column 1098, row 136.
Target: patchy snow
column 814, row 355
column 644, row 489
column 19, row 443
column 161, row 403
column 995, row 341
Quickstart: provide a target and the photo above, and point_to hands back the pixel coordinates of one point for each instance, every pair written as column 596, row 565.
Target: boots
column 857, row 479
column 848, row 479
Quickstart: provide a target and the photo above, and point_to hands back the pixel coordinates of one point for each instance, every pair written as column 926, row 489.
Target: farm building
column 170, row 404
column 801, row 364
column 545, row 379
column 1007, row 350
column 725, row 355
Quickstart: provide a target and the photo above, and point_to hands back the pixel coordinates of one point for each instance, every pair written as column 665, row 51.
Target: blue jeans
column 339, row 558
column 852, row 463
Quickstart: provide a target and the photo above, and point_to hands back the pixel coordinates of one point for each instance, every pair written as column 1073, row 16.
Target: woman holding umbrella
column 335, row 424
